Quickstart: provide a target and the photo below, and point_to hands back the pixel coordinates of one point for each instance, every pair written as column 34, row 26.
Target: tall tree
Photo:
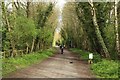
column 98, row 33
column 116, row 28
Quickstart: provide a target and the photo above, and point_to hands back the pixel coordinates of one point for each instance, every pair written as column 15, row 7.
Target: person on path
column 61, row 48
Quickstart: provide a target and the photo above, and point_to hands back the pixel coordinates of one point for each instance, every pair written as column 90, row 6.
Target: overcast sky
column 60, row 4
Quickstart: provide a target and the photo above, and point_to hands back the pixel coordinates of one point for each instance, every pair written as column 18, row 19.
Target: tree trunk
column 5, row 16
column 116, row 29
column 27, row 47
column 37, row 46
column 33, row 42
column 28, row 8
column 8, row 27
column 97, row 31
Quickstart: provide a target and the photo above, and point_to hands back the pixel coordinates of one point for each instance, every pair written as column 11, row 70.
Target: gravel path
column 65, row 65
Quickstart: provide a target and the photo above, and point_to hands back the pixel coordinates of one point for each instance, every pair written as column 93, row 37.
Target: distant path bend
column 65, row 65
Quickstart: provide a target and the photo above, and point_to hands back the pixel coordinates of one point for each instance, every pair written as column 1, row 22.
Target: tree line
column 93, row 26
column 26, row 27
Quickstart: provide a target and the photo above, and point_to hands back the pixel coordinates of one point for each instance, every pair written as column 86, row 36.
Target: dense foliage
column 92, row 27
column 103, row 70
column 26, row 27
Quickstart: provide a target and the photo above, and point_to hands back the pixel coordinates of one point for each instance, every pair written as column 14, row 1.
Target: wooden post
column 90, row 58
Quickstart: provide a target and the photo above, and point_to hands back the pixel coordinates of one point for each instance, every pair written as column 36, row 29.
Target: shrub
column 106, row 69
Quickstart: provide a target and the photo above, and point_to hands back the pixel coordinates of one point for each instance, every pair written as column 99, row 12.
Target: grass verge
column 105, row 69
column 12, row 64
column 84, row 55
column 102, row 68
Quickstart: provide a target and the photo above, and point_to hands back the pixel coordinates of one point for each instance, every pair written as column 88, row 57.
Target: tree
column 22, row 25
column 98, row 33
column 89, row 30
column 116, row 28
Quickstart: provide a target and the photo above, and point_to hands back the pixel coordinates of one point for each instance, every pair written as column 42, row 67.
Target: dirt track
column 65, row 65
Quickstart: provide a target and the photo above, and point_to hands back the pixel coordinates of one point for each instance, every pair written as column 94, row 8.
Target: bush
column 106, row 69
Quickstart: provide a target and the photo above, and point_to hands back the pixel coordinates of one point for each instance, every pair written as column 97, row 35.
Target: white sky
column 60, row 4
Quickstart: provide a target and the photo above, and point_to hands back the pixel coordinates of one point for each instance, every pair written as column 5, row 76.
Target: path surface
column 57, row 66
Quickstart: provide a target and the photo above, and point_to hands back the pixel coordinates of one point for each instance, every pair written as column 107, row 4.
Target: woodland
column 29, row 27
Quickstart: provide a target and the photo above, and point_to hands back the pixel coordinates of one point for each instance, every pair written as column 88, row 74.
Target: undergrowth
column 102, row 68
column 12, row 64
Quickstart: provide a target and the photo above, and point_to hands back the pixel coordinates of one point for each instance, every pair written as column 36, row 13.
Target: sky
column 60, row 4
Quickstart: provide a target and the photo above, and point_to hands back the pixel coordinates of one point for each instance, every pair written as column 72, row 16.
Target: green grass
column 12, row 64
column 0, row 67
column 84, row 55
column 105, row 69
column 102, row 68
